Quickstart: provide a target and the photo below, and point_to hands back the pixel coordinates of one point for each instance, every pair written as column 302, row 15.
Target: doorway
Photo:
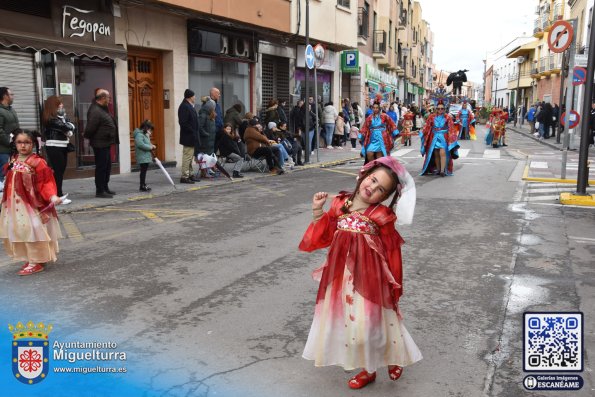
column 145, row 96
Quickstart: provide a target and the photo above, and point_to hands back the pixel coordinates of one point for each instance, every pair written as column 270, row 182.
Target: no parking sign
column 574, row 118
column 579, row 75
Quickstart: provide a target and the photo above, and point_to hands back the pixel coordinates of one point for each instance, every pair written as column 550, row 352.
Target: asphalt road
column 208, row 294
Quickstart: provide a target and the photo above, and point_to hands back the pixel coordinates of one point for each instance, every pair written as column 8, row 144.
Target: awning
column 22, row 40
column 523, row 50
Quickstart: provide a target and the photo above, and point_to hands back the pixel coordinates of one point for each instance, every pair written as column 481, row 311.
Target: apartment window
column 390, row 34
column 343, row 3
column 363, row 22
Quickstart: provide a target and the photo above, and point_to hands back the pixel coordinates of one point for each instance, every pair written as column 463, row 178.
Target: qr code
column 553, row 342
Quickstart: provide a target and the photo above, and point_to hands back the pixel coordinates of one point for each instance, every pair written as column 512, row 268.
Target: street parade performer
column 439, row 142
column 357, row 322
column 407, row 128
column 29, row 225
column 377, row 133
column 496, row 129
column 464, row 121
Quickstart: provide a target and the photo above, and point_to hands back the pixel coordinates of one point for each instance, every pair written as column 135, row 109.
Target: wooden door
column 144, row 97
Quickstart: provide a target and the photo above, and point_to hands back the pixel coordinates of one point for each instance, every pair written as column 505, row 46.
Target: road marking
column 152, row 216
column 538, row 165
column 341, row 172
column 402, row 152
column 276, row 193
column 546, row 190
column 70, row 227
column 463, row 153
column 543, row 198
column 582, row 238
column 491, row 154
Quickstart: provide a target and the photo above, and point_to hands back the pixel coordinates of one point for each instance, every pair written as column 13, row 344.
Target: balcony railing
column 379, row 42
column 362, row 23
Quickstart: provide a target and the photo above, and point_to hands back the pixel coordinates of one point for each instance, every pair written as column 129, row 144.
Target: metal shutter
column 18, row 74
column 275, row 80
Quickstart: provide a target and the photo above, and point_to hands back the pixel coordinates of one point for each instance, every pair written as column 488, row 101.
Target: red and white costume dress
column 27, row 233
column 357, row 323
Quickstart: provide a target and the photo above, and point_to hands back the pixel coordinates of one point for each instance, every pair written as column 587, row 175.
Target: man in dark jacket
column 8, row 123
column 189, row 138
column 102, row 132
column 232, row 116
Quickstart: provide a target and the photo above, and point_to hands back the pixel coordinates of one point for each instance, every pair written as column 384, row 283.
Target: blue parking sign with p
column 350, row 61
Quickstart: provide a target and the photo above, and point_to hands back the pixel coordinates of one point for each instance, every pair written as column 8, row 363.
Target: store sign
column 380, row 76
column 350, row 61
column 77, row 22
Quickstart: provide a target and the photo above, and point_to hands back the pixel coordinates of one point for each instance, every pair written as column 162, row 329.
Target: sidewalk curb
column 529, row 135
column 526, row 177
column 127, row 199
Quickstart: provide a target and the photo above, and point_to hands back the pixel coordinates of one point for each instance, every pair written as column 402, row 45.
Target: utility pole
column 583, row 169
column 307, row 83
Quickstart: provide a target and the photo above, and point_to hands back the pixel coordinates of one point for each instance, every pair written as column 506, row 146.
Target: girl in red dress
column 29, row 225
column 357, row 322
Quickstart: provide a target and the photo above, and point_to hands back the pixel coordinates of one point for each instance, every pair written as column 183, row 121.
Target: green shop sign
column 380, row 77
column 350, row 61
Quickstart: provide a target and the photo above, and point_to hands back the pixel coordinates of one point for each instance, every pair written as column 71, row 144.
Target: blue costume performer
column 464, row 119
column 378, row 133
column 439, row 142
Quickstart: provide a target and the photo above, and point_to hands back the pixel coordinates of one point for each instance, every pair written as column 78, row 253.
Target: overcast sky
column 465, row 30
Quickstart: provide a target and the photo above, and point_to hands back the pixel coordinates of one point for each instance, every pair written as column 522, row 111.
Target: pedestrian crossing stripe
column 402, row 152
column 463, row 153
column 491, row 154
column 538, row 165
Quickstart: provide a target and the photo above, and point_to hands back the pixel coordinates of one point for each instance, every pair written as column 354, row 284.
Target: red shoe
column 25, row 265
column 395, row 372
column 362, row 379
column 30, row 269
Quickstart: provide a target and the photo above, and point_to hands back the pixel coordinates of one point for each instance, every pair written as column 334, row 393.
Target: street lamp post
column 519, row 60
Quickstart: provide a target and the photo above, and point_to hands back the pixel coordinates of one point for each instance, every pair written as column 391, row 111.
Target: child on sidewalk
column 357, row 322
column 29, row 225
column 353, row 134
column 142, row 150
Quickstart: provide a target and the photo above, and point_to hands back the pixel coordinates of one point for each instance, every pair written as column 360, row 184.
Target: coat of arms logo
column 30, row 351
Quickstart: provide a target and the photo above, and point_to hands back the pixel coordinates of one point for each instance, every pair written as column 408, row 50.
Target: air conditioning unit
column 242, row 48
column 224, row 45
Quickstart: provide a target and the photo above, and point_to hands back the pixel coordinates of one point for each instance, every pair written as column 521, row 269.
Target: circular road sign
column 319, row 52
column 309, row 56
column 574, row 118
column 560, row 36
column 579, row 75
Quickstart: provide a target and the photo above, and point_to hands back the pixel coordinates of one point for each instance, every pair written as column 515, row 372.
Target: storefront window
column 89, row 75
column 323, row 84
column 232, row 78
column 48, row 73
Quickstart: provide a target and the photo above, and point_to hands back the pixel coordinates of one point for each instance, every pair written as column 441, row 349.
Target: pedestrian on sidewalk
column 29, row 226
column 357, row 322
column 9, row 121
column 531, row 118
column 189, row 137
column 142, row 150
column 102, row 132
column 57, row 131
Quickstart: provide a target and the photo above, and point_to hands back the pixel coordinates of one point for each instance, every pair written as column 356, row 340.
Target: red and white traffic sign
column 579, row 75
column 574, row 118
column 560, row 36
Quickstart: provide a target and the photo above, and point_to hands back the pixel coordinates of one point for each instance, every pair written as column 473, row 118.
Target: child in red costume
column 357, row 322
column 29, row 225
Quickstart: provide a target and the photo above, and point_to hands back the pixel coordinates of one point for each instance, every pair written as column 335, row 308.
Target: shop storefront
column 381, row 85
column 224, row 60
column 59, row 48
